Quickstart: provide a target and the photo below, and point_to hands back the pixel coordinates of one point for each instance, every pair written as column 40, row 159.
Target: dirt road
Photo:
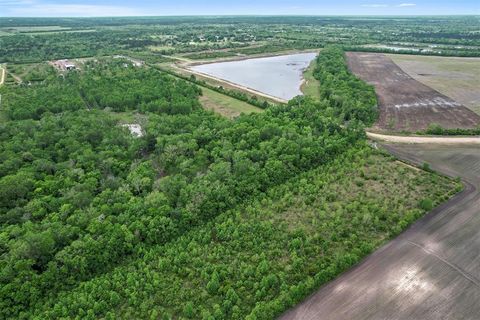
column 431, row 271
column 2, row 75
column 424, row 140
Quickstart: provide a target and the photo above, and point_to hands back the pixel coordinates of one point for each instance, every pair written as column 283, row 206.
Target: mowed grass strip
column 225, row 105
column 311, row 86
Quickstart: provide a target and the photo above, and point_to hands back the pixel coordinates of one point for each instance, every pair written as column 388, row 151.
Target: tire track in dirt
column 458, row 269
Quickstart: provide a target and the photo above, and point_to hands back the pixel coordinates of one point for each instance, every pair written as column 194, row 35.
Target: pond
column 278, row 76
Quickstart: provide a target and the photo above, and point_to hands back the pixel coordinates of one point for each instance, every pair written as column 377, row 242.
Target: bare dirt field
column 457, row 78
column 431, row 271
column 405, row 103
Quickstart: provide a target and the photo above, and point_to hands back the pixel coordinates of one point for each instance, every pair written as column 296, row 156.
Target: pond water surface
column 279, row 76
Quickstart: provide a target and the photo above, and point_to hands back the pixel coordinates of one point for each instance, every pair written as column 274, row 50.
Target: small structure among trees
column 64, row 65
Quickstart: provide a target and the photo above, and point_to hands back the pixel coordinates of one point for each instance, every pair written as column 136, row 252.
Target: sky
column 90, row 8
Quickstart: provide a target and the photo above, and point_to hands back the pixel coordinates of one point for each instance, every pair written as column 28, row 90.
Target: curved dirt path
column 2, row 75
column 422, row 140
column 429, row 272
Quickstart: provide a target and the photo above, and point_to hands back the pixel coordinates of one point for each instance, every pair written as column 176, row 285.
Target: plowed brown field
column 406, row 104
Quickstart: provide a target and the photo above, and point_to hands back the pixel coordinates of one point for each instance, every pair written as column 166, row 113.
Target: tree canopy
column 201, row 217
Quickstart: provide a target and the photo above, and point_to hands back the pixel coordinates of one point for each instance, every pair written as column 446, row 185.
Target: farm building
column 64, row 65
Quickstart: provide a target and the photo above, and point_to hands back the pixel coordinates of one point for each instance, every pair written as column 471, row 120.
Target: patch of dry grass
column 225, row 105
column 311, row 86
column 458, row 78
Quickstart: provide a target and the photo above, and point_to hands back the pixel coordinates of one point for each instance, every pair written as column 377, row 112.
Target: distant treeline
column 246, row 35
column 436, row 52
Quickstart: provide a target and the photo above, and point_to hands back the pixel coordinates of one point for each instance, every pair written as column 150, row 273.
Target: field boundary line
column 423, row 140
column 465, row 274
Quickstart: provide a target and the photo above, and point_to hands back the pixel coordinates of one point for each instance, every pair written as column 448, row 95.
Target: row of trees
column 436, row 129
column 351, row 98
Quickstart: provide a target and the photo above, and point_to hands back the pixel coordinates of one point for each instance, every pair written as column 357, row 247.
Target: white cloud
column 375, row 5
column 73, row 10
column 381, row 5
column 16, row 2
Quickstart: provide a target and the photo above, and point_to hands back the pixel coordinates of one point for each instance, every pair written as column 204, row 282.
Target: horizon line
column 251, row 15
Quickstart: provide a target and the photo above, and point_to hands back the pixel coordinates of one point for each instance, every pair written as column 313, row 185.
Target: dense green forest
column 201, row 216
column 40, row 39
column 351, row 98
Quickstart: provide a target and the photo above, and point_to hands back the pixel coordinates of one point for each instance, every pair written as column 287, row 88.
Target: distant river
column 279, row 76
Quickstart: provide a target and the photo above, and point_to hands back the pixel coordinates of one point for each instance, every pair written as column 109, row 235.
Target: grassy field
column 36, row 29
column 225, row 105
column 126, row 117
column 60, row 31
column 406, row 104
column 160, row 48
column 30, row 72
column 311, row 86
column 457, row 78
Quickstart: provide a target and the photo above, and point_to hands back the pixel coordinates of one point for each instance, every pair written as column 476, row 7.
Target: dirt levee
column 406, row 104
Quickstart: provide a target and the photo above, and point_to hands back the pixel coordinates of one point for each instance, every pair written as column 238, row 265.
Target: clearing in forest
column 406, row 104
column 225, row 105
column 455, row 77
column 220, row 103
column 310, row 85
